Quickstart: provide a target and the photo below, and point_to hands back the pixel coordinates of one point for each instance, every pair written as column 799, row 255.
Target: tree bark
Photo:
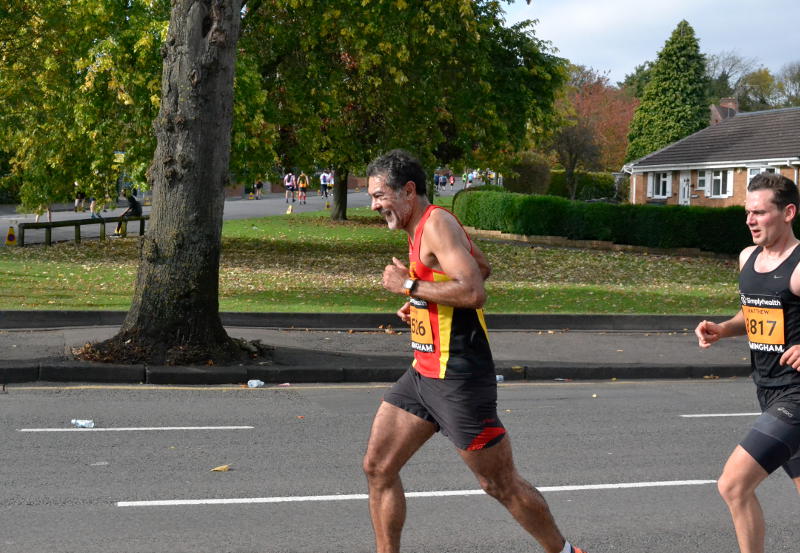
column 339, row 210
column 174, row 316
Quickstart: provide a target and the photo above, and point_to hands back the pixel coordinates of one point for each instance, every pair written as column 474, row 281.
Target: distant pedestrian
column 41, row 210
column 134, row 210
column 259, row 185
column 302, row 187
column 452, row 181
column 324, row 177
column 80, row 198
column 289, row 183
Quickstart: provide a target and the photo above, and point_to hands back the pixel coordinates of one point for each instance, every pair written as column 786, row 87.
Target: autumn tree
column 789, row 84
column 594, row 117
column 673, row 104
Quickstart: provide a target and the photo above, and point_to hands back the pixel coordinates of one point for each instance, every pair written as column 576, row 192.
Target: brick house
column 713, row 166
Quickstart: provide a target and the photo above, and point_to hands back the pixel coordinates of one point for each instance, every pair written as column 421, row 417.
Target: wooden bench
column 78, row 223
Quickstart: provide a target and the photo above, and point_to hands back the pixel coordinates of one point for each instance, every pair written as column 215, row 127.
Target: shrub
column 530, row 175
column 720, row 230
column 589, row 185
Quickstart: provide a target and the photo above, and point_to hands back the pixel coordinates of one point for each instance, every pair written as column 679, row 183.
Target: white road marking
column 135, row 429
column 361, row 496
column 703, row 415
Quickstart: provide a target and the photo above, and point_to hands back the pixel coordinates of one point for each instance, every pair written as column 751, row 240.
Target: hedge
column 590, row 185
column 720, row 230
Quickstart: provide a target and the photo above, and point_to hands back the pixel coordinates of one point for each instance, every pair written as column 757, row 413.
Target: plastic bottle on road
column 82, row 423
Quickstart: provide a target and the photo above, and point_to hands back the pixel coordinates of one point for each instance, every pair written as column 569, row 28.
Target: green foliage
column 318, row 84
column 710, row 229
column 339, row 77
column 673, row 103
column 529, row 175
column 79, row 81
column 590, row 185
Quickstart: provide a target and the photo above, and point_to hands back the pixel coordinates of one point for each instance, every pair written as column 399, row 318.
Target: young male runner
column 451, row 384
column 769, row 286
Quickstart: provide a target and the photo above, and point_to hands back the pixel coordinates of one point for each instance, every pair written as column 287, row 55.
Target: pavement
column 35, row 346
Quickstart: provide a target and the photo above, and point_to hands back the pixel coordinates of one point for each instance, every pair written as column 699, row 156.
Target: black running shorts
column 464, row 410
column 774, row 440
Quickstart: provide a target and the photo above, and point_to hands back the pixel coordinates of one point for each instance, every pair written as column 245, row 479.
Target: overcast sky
column 615, row 36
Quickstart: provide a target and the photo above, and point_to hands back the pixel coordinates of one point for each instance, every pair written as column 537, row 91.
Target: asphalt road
column 61, row 491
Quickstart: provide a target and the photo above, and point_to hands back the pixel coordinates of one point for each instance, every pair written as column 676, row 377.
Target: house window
column 753, row 171
column 720, row 187
column 661, row 185
column 701, row 180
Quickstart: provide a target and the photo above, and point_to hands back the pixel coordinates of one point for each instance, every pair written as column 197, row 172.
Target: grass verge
column 306, row 263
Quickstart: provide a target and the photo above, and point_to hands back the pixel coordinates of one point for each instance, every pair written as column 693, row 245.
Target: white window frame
column 702, row 180
column 753, row 171
column 725, row 184
column 659, row 185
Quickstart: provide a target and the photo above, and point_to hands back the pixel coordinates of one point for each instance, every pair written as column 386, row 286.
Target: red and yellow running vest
column 448, row 342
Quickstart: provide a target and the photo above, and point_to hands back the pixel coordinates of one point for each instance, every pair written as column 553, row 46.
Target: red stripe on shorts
column 489, row 434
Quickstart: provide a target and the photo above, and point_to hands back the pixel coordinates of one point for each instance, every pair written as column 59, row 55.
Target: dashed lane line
column 445, row 493
column 704, row 415
column 135, row 429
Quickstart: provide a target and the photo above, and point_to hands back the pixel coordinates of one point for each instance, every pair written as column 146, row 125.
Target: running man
column 289, row 183
column 302, row 186
column 451, row 384
column 769, row 286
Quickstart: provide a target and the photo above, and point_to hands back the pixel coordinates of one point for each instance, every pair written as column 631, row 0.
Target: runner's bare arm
column 708, row 332
column 445, row 248
column 483, row 263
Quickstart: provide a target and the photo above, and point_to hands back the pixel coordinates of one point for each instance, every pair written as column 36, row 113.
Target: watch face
column 408, row 284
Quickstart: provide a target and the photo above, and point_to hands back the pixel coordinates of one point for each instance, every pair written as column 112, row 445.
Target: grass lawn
column 305, row 263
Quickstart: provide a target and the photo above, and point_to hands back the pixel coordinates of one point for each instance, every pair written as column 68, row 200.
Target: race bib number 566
column 421, row 330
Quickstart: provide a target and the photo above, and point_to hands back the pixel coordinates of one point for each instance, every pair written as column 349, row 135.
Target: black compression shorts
column 774, row 440
column 464, row 410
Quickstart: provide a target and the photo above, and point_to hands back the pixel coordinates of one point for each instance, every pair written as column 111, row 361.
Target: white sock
column 567, row 547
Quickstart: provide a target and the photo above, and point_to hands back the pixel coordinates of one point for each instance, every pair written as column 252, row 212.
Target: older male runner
column 451, row 384
column 769, row 286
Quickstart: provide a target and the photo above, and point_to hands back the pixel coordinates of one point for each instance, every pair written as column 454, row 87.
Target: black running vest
column 772, row 319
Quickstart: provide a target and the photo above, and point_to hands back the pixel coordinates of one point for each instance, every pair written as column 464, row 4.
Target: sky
column 614, row 36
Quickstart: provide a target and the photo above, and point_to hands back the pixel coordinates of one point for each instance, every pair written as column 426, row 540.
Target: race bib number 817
column 764, row 324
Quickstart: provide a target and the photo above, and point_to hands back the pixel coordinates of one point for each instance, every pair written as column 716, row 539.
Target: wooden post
column 102, row 230
column 77, row 234
column 141, row 226
column 21, row 237
column 124, row 229
column 48, row 235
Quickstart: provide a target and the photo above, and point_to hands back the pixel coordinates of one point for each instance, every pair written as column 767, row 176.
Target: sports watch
column 408, row 286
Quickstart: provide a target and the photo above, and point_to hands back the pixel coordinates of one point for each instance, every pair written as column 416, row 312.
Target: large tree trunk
column 339, row 210
column 174, row 316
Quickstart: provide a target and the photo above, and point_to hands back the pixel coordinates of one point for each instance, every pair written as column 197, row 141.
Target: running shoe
column 577, row 549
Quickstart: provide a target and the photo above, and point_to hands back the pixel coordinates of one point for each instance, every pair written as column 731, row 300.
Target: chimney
column 728, row 107
column 730, row 103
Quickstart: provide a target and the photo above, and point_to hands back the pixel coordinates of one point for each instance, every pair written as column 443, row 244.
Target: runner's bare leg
column 396, row 435
column 494, row 468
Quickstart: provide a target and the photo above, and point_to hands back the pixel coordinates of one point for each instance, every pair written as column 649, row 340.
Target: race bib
column 421, row 329
column 763, row 319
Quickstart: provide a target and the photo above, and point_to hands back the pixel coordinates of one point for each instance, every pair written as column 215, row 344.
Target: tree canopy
column 317, row 85
column 674, row 100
